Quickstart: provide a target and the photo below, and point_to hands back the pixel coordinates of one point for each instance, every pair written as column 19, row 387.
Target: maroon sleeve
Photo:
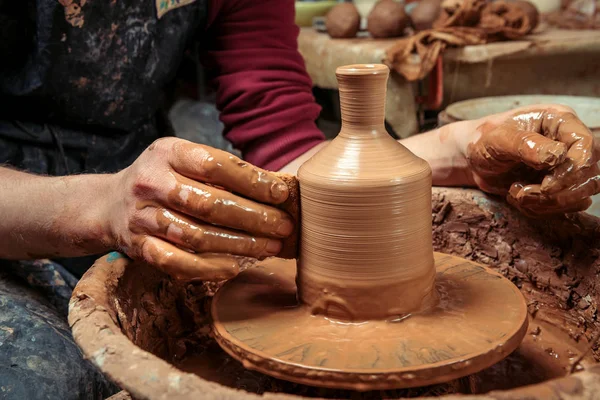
column 263, row 91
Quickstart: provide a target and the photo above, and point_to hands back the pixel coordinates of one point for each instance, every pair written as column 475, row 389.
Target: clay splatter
column 73, row 13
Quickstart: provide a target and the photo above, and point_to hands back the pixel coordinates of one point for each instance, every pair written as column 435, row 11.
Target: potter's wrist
column 466, row 133
column 102, row 191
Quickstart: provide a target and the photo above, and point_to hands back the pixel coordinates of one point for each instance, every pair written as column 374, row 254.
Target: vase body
column 366, row 241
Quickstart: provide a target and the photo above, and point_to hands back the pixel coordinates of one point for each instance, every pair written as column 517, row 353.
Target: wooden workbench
column 550, row 61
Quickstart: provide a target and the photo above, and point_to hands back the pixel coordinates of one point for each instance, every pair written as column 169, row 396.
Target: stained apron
column 81, row 90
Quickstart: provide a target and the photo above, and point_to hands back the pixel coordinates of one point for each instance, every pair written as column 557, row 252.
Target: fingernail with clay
column 548, row 184
column 279, row 191
column 515, row 189
column 285, row 228
column 273, row 247
column 553, row 154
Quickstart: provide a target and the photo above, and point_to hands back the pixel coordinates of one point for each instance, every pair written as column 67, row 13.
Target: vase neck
column 362, row 97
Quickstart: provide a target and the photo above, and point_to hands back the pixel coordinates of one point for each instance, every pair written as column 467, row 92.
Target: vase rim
column 362, row 69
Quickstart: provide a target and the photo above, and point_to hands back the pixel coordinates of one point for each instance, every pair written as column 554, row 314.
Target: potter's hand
column 174, row 207
column 543, row 159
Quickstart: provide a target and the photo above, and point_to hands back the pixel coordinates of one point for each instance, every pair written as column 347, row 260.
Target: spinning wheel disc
column 480, row 318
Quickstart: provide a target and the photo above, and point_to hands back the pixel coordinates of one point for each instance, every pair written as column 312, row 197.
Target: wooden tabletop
column 547, row 41
column 572, row 55
column 323, row 53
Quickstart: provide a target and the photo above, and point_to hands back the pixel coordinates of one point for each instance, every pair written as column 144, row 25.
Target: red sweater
column 263, row 91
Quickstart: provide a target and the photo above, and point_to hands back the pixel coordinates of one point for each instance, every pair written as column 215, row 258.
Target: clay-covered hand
column 544, row 159
column 189, row 209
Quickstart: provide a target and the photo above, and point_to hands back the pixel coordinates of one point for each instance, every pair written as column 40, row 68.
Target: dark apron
column 81, row 90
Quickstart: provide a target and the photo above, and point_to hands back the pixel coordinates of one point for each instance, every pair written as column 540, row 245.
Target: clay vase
column 366, row 249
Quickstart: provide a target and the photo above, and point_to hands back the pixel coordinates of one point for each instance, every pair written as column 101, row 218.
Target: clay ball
column 423, row 15
column 531, row 11
column 343, row 21
column 387, row 19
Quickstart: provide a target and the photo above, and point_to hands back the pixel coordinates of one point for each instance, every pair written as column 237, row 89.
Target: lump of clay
column 423, row 15
column 387, row 19
column 343, row 21
column 531, row 11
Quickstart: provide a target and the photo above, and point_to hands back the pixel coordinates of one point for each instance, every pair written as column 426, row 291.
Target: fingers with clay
column 568, row 186
column 217, row 167
column 544, row 158
column 530, row 200
column 503, row 147
column 184, row 266
column 580, row 158
column 201, row 237
column 194, row 210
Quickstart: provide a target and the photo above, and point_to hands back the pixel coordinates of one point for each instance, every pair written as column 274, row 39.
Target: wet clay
column 343, row 21
column 221, row 207
column 544, row 160
column 219, row 168
column 366, row 248
column 369, row 307
column 553, row 262
column 535, row 361
column 259, row 229
column 478, row 320
column 218, row 207
column 545, row 353
column 194, row 217
column 291, row 206
column 387, row 19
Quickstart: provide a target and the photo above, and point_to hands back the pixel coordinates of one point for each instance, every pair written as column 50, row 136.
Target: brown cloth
column 461, row 23
column 428, row 45
column 460, row 13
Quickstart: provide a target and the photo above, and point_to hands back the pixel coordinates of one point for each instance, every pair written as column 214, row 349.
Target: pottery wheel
column 481, row 317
